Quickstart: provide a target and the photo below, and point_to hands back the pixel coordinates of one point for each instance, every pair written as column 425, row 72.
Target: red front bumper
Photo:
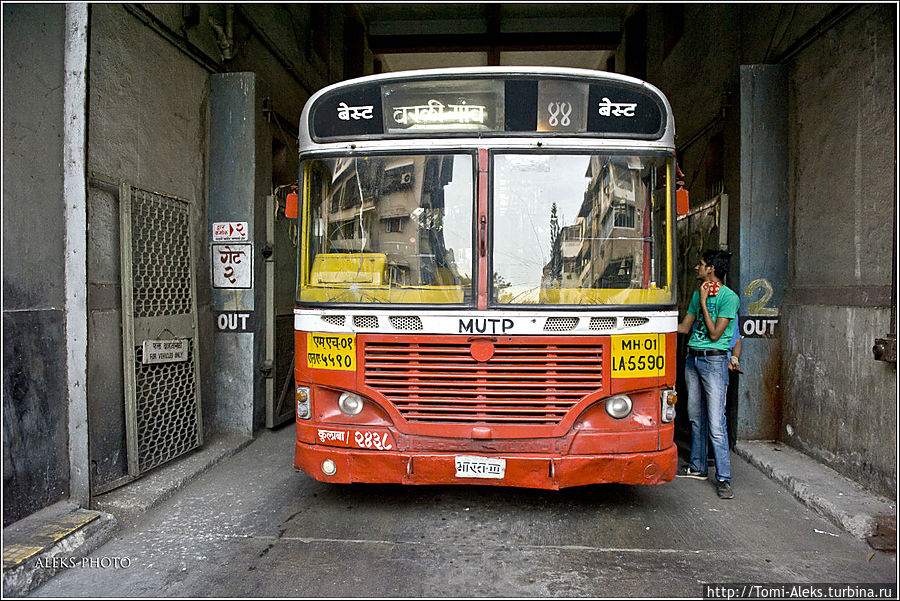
column 522, row 469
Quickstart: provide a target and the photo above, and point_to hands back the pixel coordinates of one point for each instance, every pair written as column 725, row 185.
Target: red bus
column 485, row 288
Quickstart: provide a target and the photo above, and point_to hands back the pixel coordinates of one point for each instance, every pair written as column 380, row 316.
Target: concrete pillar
column 763, row 238
column 75, row 197
column 240, row 172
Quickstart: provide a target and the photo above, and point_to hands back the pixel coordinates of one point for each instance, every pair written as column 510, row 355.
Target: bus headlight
column 667, row 411
column 349, row 403
column 302, row 396
column 618, row 406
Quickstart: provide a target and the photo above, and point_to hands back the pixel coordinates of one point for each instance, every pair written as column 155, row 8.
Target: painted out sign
column 761, row 320
column 758, row 327
column 235, row 321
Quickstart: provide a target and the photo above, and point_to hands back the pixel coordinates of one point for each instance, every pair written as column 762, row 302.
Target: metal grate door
column 162, row 395
column 281, row 268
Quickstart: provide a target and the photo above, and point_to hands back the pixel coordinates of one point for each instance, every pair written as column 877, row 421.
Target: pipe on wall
column 191, row 51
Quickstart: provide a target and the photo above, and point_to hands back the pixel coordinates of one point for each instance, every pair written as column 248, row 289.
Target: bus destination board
column 489, row 106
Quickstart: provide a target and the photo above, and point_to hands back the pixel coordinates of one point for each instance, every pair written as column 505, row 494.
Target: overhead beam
column 431, row 26
column 493, row 34
column 494, row 41
column 474, row 25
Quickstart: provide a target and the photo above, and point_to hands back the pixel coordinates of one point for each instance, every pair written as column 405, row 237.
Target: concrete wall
column 840, row 404
column 148, row 82
column 35, row 427
column 147, row 126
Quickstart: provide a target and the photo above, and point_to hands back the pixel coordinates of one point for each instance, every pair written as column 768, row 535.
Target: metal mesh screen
column 602, row 323
column 161, row 255
column 404, row 322
column 632, row 322
column 560, row 324
column 365, row 321
column 166, row 411
column 163, row 412
column 335, row 320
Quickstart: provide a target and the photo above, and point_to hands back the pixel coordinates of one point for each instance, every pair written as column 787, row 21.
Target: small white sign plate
column 469, row 466
column 164, row 351
column 232, row 265
column 230, row 231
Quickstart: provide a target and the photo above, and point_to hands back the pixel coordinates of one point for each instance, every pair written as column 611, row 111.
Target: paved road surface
column 252, row 526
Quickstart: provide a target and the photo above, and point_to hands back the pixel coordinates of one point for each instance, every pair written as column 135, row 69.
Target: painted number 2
column 758, row 307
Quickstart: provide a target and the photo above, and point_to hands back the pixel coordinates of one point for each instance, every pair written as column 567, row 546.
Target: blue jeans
column 707, row 381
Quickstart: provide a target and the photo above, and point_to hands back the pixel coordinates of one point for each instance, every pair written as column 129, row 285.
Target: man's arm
column 715, row 329
column 718, row 328
column 686, row 324
column 734, row 361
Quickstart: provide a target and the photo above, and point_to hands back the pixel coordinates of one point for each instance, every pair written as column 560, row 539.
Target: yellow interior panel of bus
column 605, row 296
column 419, row 295
column 346, row 268
column 360, row 278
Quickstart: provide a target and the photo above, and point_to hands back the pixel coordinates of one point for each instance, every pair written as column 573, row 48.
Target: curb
column 61, row 536
column 130, row 502
column 37, row 547
column 863, row 514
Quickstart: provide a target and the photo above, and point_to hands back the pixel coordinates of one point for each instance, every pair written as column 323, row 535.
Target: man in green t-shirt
column 711, row 321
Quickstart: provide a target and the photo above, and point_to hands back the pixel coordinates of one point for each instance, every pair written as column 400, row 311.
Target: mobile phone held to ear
column 713, row 287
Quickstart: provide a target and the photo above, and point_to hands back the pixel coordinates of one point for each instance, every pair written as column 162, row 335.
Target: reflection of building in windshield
column 563, row 269
column 603, row 248
column 393, row 206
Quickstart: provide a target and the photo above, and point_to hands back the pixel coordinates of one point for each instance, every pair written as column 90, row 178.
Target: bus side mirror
column 290, row 207
column 682, row 205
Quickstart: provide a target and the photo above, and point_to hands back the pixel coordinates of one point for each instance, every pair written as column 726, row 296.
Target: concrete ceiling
column 420, row 36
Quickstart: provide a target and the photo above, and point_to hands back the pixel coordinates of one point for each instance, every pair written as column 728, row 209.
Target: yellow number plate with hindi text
column 331, row 351
column 638, row 356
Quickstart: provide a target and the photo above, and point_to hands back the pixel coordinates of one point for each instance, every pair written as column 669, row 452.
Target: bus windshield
column 575, row 229
column 388, row 229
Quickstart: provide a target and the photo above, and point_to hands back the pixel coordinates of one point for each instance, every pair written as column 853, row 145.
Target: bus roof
column 488, row 102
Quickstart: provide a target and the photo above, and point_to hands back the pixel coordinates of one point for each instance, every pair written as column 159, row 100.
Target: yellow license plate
column 639, row 356
column 331, row 351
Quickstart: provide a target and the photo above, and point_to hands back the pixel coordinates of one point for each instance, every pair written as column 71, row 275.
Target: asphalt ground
column 254, row 527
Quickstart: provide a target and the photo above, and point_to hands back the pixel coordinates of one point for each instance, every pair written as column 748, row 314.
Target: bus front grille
column 437, row 382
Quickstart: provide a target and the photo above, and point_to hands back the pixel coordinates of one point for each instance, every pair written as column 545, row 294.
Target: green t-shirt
column 725, row 304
